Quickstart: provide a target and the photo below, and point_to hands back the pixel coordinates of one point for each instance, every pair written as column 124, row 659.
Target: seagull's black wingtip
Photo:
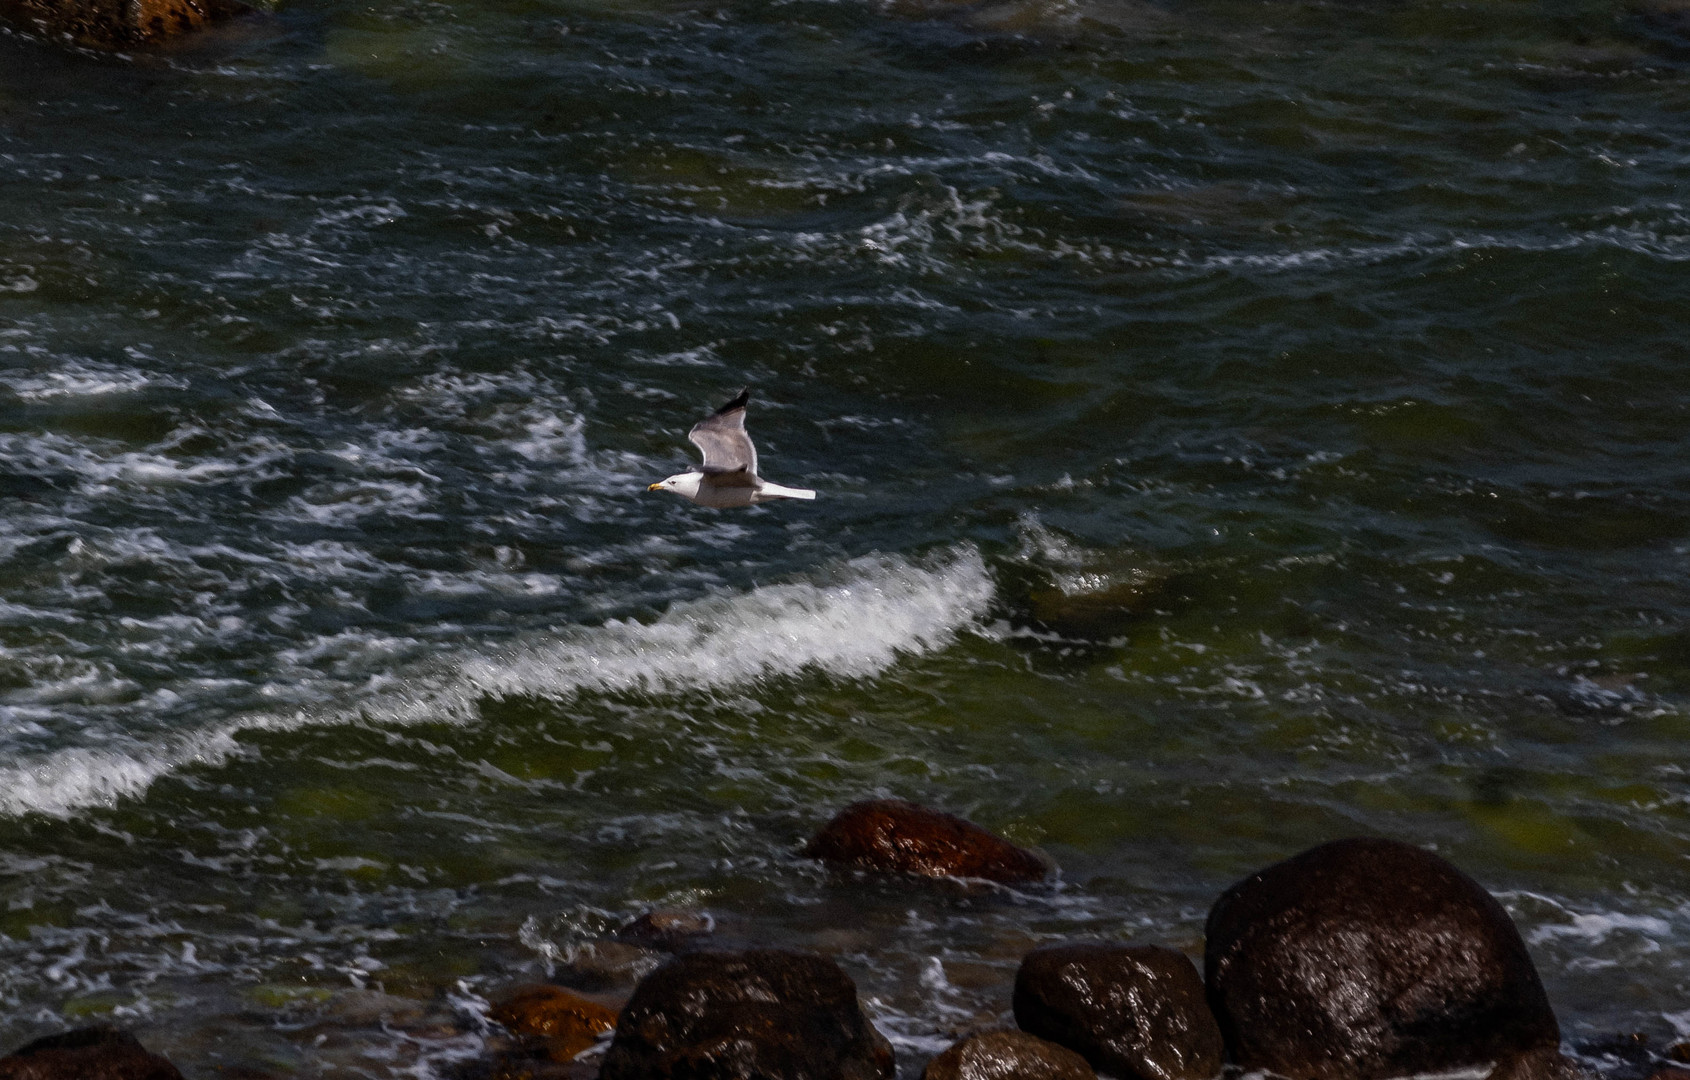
column 737, row 403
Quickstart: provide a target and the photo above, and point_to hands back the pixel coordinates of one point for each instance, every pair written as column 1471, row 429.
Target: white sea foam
column 854, row 624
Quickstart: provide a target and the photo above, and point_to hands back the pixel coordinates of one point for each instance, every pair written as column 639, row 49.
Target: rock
column 1679, row 1052
column 1543, row 1063
column 1007, row 1055
column 1364, row 958
column 1134, row 1011
column 91, row 1053
column 560, row 1024
column 761, row 1013
column 894, row 836
column 118, row 24
column 667, row 930
column 372, row 1007
column 606, row 965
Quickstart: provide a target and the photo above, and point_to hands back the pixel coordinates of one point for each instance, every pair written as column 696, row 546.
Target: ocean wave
column 851, row 623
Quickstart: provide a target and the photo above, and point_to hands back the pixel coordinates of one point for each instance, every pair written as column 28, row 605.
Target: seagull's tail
column 775, row 491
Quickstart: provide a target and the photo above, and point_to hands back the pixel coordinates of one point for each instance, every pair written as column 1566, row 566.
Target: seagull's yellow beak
column 655, row 487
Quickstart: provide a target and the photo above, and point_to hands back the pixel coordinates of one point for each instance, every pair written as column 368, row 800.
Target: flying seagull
column 728, row 476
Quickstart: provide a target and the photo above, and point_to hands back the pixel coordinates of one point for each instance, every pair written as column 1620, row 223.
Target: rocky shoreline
column 1359, row 959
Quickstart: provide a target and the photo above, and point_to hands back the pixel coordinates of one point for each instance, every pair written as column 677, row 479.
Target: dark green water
column 1237, row 426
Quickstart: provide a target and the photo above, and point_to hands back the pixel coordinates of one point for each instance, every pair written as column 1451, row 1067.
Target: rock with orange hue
column 558, row 1023
column 118, row 24
column 92, row 1053
column 897, row 837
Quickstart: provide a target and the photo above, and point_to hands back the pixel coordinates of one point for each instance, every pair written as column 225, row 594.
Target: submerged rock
column 1363, row 959
column 91, row 1053
column 898, row 837
column 1133, row 1011
column 607, row 965
column 749, row 1015
column 118, row 24
column 667, row 930
column 1008, row 1055
column 555, row 1023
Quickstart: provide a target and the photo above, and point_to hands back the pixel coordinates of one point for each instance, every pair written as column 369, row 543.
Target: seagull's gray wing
column 723, row 439
column 729, row 478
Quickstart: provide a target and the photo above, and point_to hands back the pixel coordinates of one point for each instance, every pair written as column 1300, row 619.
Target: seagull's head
column 684, row 484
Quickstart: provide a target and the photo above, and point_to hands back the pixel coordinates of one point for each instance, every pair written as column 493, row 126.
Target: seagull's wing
column 730, row 478
column 723, row 439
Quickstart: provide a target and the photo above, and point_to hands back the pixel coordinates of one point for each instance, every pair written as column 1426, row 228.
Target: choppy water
column 1238, row 426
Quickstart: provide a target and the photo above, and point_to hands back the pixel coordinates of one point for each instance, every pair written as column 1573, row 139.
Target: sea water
column 1237, row 426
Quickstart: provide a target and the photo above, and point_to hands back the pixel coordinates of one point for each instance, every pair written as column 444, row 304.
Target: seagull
column 728, row 476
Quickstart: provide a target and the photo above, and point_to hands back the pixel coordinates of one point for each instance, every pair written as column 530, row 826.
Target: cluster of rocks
column 118, row 24
column 1361, row 959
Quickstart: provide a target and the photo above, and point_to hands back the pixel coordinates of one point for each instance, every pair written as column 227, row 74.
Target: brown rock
column 561, row 1024
column 1679, row 1052
column 1364, row 959
column 751, row 1015
column 894, row 836
column 1544, row 1063
column 118, row 24
column 91, row 1053
column 1007, row 1055
column 1134, row 1011
column 667, row 930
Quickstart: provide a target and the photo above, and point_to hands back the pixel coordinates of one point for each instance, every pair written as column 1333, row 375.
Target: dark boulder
column 1007, row 1055
column 1134, row 1011
column 118, row 24
column 762, row 1014
column 1366, row 958
column 91, row 1053
column 898, row 837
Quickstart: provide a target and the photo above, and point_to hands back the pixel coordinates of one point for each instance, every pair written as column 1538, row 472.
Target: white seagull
column 728, row 476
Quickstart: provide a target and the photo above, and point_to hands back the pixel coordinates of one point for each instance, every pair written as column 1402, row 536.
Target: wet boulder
column 751, row 1015
column 91, row 1053
column 1363, row 959
column 1007, row 1055
column 554, row 1023
column 897, row 837
column 1134, row 1011
column 118, row 24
